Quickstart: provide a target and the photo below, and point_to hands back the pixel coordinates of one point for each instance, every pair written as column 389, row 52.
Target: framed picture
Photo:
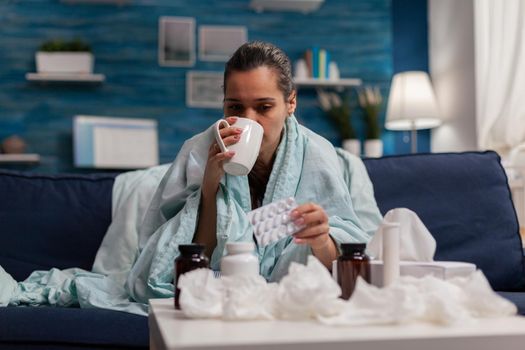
column 177, row 41
column 204, row 89
column 218, row 43
column 114, row 142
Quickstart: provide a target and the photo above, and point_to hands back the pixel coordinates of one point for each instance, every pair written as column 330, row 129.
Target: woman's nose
column 250, row 114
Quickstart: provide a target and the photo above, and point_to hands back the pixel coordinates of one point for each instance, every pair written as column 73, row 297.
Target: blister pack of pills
column 272, row 222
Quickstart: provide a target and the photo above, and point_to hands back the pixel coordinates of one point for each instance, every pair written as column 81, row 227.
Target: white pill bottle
column 240, row 261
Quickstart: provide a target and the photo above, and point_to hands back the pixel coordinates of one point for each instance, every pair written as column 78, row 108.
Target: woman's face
column 255, row 94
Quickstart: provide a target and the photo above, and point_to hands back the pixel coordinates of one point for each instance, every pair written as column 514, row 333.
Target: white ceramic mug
column 246, row 149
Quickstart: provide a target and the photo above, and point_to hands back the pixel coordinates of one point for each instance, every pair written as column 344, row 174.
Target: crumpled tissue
column 308, row 292
column 416, row 242
column 426, row 299
column 248, row 298
column 201, row 294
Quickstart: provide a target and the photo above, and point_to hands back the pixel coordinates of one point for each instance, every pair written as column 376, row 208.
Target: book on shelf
column 315, row 62
column 318, row 62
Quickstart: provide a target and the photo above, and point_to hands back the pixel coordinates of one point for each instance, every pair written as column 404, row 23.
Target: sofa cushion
column 465, row 202
column 56, row 327
column 52, row 220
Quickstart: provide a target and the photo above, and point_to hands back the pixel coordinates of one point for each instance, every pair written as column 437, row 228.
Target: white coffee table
column 169, row 329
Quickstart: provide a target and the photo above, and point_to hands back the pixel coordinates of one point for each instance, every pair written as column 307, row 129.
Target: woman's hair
column 256, row 54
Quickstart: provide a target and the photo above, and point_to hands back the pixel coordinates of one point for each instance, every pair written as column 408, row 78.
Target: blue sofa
column 59, row 221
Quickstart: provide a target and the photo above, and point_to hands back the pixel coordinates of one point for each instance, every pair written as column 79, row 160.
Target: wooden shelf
column 339, row 83
column 29, row 158
column 66, row 78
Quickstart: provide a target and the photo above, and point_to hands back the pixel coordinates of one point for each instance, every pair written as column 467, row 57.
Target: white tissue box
column 440, row 269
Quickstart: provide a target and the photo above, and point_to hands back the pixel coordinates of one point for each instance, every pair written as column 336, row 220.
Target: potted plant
column 65, row 57
column 370, row 100
column 338, row 110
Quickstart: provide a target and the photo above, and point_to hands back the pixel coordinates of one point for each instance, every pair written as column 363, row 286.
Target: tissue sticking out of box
column 415, row 241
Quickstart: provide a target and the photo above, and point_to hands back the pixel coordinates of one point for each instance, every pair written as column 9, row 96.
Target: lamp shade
column 411, row 103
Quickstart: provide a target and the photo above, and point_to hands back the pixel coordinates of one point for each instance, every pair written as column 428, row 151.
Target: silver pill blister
column 272, row 222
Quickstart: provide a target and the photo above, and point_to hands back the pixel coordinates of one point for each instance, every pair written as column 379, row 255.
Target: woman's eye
column 234, row 107
column 265, row 108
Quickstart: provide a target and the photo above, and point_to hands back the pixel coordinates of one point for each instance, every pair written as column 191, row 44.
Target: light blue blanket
column 135, row 260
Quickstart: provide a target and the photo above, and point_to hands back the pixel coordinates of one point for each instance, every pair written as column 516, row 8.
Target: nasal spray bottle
column 390, row 252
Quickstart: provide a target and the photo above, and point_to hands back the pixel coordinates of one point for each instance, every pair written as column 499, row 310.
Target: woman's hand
column 213, row 172
column 316, row 232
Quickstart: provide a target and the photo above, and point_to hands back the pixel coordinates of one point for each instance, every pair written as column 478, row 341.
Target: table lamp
column 412, row 105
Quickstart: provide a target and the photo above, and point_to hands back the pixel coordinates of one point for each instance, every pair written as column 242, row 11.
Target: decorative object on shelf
column 64, row 57
column 339, row 112
column 301, row 70
column 316, row 69
column 333, row 71
column 412, row 104
column 115, row 143
column 304, row 6
column 13, row 144
column 65, row 62
column 218, row 43
column 12, row 150
column 318, row 62
column 353, row 146
column 177, row 41
column 370, row 101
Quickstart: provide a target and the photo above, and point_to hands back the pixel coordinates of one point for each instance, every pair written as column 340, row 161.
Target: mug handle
column 218, row 138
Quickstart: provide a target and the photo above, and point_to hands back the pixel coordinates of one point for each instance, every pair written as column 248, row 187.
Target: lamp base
column 413, row 139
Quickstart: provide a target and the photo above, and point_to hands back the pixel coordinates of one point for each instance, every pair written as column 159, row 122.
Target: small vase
column 353, row 146
column 373, row 148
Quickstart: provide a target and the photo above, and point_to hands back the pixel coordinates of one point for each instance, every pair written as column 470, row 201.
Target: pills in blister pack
column 272, row 221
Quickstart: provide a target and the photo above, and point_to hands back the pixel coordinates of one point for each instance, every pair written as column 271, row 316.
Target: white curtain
column 500, row 73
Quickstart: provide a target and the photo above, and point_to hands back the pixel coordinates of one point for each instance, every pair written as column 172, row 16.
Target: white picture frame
column 218, row 43
column 204, row 89
column 176, row 41
column 107, row 142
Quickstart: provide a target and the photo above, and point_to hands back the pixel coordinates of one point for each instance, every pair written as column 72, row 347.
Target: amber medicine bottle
column 191, row 257
column 352, row 263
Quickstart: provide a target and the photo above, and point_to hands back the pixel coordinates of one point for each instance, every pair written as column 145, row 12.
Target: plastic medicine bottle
column 352, row 263
column 191, row 257
column 240, row 260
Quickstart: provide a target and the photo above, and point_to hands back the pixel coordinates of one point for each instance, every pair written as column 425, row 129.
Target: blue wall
column 410, row 52
column 358, row 34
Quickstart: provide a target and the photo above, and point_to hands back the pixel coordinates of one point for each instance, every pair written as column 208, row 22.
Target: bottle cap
column 188, row 249
column 240, row 247
column 350, row 248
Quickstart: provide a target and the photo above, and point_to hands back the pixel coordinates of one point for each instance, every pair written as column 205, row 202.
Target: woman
column 258, row 85
column 197, row 202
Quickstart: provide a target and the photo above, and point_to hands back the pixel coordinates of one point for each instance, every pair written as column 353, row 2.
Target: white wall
column 451, row 56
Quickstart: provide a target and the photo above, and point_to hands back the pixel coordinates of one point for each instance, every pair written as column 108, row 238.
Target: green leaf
column 59, row 45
